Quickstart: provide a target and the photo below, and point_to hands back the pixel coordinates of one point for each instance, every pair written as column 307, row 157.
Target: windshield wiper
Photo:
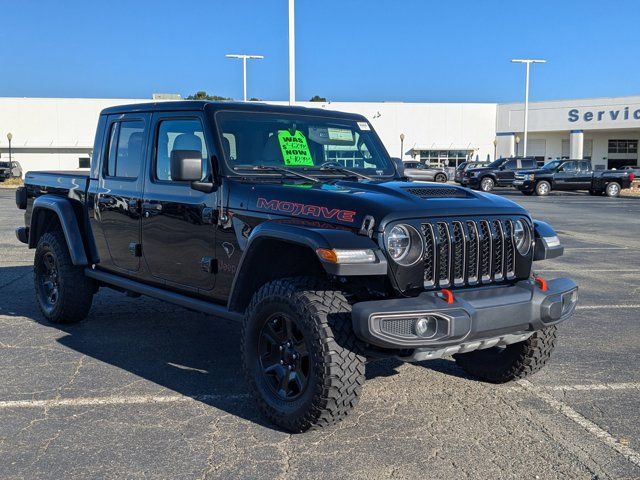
column 271, row 168
column 338, row 168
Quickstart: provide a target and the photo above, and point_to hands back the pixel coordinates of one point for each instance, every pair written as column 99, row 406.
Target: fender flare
column 62, row 208
column 311, row 238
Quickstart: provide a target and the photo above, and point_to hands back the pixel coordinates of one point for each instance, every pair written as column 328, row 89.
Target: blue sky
column 347, row 50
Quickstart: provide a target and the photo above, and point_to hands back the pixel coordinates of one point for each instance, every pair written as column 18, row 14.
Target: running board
column 165, row 295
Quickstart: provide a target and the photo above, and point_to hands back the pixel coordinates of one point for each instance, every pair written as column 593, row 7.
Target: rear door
column 584, row 175
column 119, row 191
column 178, row 225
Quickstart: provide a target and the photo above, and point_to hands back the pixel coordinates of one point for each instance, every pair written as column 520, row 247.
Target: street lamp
column 518, row 145
column 9, row 137
column 401, row 145
column 527, row 62
column 244, row 69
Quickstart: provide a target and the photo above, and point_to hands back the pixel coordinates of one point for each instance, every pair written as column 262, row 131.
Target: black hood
column 348, row 202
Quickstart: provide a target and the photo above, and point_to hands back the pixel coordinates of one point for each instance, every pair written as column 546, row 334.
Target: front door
column 178, row 224
column 566, row 176
column 505, row 175
column 119, row 192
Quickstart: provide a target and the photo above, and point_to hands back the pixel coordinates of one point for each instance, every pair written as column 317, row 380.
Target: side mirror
column 186, row 165
column 399, row 164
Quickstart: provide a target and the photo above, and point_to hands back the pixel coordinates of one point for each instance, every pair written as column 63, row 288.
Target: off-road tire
column 487, row 184
column 543, row 188
column 515, row 361
column 337, row 365
column 440, row 178
column 75, row 290
column 613, row 190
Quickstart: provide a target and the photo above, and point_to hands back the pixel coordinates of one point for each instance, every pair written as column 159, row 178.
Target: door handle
column 153, row 206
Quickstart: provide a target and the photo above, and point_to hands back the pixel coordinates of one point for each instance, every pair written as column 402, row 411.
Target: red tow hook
column 542, row 283
column 447, row 295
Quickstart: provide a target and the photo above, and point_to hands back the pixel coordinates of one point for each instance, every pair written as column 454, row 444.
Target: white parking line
column 608, row 307
column 114, row 400
column 594, row 387
column 602, row 435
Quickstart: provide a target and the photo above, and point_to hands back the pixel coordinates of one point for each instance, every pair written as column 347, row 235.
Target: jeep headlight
column 404, row 244
column 522, row 237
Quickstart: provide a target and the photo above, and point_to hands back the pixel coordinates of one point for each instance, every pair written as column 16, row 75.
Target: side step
column 165, row 295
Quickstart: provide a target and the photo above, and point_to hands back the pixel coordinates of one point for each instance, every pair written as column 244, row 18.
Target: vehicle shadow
column 189, row 353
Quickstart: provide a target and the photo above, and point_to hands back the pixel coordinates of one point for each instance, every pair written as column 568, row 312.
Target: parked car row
column 524, row 175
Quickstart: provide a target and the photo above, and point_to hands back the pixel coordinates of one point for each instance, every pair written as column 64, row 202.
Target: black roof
column 215, row 106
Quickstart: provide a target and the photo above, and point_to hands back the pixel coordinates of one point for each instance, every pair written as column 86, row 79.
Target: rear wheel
column 301, row 359
column 543, row 188
column 440, row 177
column 63, row 292
column 518, row 360
column 487, row 184
column 613, row 189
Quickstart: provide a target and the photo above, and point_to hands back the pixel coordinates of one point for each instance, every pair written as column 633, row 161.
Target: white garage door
column 536, row 148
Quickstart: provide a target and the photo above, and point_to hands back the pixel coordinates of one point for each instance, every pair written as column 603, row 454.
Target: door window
column 125, row 149
column 528, row 163
column 179, row 134
column 570, row 167
column 510, row 165
column 584, row 166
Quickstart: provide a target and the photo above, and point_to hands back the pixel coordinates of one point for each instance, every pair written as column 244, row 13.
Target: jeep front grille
column 465, row 252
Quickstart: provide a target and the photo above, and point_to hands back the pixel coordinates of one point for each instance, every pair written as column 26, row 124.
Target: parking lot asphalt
column 144, row 389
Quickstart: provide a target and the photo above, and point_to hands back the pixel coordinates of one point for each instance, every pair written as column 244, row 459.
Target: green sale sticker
column 294, row 148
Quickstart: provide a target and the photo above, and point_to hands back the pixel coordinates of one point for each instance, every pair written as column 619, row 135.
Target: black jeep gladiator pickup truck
column 572, row 175
column 294, row 222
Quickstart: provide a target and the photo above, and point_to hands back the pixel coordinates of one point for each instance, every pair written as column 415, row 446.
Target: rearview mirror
column 186, row 165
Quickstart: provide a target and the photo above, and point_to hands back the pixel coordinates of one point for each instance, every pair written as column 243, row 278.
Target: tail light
column 631, row 176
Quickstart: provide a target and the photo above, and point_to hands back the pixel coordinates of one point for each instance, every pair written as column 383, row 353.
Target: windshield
column 303, row 142
column 552, row 165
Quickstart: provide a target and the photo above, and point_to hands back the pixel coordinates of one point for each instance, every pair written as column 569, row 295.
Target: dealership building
column 57, row 133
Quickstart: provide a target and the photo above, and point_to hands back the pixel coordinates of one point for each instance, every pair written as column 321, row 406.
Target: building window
column 84, row 162
column 623, row 146
column 441, row 158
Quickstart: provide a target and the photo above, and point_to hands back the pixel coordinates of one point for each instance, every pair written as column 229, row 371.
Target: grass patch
column 12, row 182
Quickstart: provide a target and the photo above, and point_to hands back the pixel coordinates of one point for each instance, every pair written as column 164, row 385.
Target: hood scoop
column 438, row 192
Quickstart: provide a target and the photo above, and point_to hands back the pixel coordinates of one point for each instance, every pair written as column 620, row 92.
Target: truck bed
column 68, row 183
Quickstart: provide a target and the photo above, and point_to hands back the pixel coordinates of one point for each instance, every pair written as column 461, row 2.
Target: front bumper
column 477, row 318
column 470, row 182
column 523, row 185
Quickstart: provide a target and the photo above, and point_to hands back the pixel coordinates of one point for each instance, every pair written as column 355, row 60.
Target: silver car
column 419, row 171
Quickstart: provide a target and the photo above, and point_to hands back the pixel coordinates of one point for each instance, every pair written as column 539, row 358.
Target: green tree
column 202, row 95
column 317, row 98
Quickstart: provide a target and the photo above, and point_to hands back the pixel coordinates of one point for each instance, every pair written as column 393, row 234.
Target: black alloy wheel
column 48, row 282
column 284, row 357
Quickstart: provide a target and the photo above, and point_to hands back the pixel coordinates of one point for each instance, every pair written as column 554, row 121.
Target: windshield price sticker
column 340, row 134
column 294, row 148
column 364, row 126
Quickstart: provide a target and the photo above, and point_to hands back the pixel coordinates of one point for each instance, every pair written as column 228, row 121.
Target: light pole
column 527, row 62
column 292, row 52
column 517, row 145
column 9, row 137
column 244, row 69
column 401, row 145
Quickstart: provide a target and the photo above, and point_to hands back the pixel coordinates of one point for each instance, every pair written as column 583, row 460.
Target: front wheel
column 543, row 188
column 301, row 359
column 487, row 184
column 441, row 178
column 63, row 292
column 613, row 189
column 511, row 362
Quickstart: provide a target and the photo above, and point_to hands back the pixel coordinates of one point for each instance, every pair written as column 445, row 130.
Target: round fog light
column 426, row 327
